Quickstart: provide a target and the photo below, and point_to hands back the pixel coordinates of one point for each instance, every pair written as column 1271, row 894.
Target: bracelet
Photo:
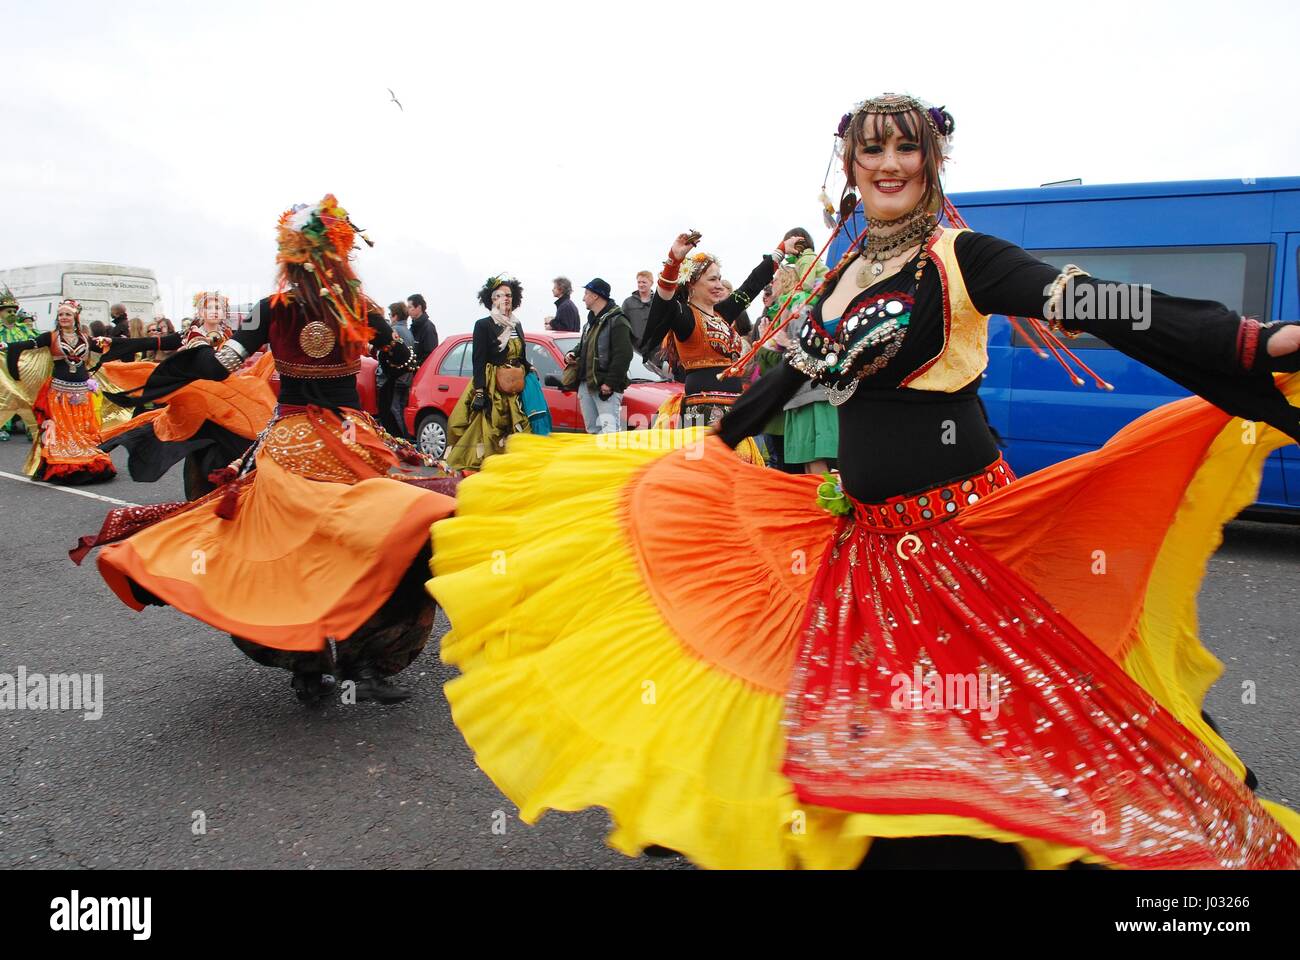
column 1055, row 297
column 228, row 358
column 1248, row 342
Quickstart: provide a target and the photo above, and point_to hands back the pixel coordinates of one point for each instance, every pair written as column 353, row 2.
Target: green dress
column 476, row 435
column 812, row 428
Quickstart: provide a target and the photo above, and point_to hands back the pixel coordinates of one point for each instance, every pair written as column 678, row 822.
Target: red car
column 442, row 378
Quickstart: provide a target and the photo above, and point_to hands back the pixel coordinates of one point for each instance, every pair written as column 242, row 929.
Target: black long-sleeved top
column 77, row 367
column 895, row 441
column 485, row 349
column 200, row 363
column 71, row 370
column 676, row 317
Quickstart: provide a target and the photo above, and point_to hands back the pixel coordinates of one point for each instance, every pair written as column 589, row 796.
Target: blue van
column 1234, row 241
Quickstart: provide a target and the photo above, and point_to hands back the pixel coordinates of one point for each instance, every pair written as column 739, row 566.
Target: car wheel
column 431, row 434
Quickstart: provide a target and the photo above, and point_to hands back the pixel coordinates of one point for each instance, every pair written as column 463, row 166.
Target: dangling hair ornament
column 320, row 240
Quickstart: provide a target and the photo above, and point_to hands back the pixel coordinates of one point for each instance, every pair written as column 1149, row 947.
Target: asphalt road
column 191, row 725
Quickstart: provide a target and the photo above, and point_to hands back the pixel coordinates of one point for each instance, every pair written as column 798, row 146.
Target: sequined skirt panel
column 933, row 680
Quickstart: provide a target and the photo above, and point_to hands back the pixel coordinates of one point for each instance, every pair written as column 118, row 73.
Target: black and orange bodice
column 712, row 343
column 305, row 347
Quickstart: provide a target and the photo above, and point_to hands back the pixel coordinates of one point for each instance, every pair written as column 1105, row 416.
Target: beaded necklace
column 878, row 248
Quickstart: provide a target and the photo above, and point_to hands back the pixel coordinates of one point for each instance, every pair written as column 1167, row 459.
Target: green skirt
column 476, row 435
column 812, row 432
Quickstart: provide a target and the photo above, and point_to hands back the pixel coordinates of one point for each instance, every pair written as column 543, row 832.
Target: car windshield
column 637, row 371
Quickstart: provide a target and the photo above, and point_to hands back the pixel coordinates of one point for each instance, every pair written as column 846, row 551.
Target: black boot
column 371, row 685
column 659, row 853
column 311, row 686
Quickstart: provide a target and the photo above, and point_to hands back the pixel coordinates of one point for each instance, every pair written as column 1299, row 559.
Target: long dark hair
column 489, row 288
column 307, row 286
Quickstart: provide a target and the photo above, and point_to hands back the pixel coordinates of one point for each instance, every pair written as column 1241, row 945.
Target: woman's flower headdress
column 308, row 235
column 74, row 304
column 695, row 264
column 320, row 240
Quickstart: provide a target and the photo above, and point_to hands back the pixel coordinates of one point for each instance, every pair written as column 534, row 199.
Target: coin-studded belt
column 925, row 509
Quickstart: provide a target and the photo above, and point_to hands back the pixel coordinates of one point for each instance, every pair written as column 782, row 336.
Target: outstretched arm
column 1199, row 344
column 13, row 351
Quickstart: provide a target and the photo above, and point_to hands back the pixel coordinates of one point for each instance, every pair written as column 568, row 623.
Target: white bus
column 96, row 286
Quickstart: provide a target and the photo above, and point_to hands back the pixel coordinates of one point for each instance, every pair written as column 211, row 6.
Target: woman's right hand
column 684, row 244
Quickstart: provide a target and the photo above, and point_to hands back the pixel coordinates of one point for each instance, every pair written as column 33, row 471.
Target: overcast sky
column 578, row 138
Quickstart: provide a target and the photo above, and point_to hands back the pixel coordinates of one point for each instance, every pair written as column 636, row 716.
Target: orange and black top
column 706, row 344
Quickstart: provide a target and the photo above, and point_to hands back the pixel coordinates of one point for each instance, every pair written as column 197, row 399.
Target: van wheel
column 431, row 434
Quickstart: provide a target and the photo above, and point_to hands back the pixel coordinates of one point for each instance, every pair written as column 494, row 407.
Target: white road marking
column 55, row 486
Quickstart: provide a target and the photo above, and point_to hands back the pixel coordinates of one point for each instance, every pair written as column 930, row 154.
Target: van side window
column 1239, row 276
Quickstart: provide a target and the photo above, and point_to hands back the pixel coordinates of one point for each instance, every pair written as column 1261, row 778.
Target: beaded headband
column 892, row 104
column 76, row 307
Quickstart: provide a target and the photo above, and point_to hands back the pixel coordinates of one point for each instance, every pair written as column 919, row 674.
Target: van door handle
column 443, row 387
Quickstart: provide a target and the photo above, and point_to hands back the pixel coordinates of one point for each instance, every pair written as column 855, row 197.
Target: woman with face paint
column 940, row 666
column 491, row 409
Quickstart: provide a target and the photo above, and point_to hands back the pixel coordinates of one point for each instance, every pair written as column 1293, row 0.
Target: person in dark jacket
column 396, row 386
column 604, row 355
column 566, row 311
column 121, row 324
column 422, row 328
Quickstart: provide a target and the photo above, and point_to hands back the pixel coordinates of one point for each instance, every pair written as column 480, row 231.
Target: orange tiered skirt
column 707, row 664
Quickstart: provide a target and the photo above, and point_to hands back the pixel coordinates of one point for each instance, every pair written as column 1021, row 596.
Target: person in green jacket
column 15, row 325
column 604, row 355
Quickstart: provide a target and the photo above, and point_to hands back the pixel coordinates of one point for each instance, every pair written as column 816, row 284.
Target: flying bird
column 395, row 100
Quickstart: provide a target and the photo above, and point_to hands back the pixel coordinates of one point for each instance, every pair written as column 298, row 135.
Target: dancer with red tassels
column 930, row 669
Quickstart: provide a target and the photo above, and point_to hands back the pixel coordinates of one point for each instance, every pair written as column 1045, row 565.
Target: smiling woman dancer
column 934, row 656
column 51, row 376
column 703, row 323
